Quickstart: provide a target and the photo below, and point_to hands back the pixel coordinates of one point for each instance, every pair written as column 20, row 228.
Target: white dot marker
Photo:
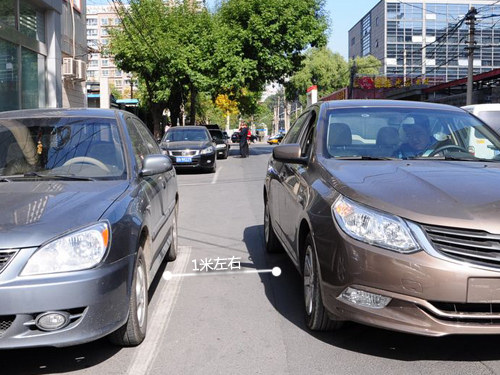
column 276, row 271
column 167, row 275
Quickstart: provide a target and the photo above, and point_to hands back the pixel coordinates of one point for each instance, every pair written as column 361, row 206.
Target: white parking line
column 214, row 179
column 146, row 353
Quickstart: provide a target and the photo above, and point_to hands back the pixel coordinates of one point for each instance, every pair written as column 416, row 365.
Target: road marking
column 146, row 353
column 214, row 179
column 167, row 275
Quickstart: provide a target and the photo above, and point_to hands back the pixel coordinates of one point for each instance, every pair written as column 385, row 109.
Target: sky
column 344, row 14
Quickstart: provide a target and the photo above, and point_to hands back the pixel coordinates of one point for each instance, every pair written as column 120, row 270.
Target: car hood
column 34, row 212
column 455, row 194
column 183, row 145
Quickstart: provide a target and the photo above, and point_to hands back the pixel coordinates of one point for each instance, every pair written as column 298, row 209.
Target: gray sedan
column 88, row 211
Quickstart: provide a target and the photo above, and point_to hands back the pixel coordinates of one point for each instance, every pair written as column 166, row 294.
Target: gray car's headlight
column 373, row 227
column 78, row 250
column 208, row 150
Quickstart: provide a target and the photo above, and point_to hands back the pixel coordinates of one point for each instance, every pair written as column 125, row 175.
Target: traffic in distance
column 387, row 209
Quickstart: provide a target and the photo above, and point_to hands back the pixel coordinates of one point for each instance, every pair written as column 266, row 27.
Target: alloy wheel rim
column 140, row 293
column 308, row 280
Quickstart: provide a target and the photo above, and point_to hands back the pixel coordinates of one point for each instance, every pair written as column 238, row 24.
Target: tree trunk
column 192, row 109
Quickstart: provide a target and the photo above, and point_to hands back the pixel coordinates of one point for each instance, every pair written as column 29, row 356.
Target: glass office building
column 428, row 39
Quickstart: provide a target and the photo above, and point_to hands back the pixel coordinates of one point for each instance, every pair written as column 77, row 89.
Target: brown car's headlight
column 78, row 250
column 373, row 227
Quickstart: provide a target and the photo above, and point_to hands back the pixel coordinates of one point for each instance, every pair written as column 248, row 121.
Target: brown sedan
column 389, row 217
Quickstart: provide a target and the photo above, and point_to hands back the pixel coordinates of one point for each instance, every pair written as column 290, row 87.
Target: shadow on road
column 285, row 294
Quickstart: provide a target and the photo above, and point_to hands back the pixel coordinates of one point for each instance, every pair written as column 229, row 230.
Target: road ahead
column 247, row 323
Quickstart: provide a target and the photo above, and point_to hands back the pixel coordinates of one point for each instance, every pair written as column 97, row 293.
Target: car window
column 179, row 134
column 393, row 132
column 217, row 134
column 139, row 146
column 147, row 137
column 308, row 133
column 294, row 132
column 85, row 147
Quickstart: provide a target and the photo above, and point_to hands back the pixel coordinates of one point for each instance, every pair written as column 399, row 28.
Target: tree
column 328, row 70
column 266, row 38
column 227, row 106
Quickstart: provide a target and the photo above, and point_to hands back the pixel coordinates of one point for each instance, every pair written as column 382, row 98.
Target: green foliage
column 329, row 71
column 266, row 38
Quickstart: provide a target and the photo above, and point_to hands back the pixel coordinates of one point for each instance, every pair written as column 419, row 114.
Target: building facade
column 428, row 38
column 35, row 38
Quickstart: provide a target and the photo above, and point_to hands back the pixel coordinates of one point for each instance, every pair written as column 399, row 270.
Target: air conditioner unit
column 81, row 70
column 68, row 68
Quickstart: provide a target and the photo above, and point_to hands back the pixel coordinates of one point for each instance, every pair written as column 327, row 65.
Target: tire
column 172, row 251
column 316, row 316
column 271, row 242
column 133, row 332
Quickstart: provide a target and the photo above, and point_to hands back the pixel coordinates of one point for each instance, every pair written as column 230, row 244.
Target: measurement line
column 167, row 275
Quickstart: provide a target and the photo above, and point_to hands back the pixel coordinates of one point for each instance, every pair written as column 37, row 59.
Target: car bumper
column 97, row 301
column 198, row 161
column 430, row 293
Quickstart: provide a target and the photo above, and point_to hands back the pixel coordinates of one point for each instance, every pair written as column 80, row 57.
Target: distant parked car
column 388, row 217
column 190, row 147
column 88, row 212
column 235, row 137
column 221, row 144
column 275, row 139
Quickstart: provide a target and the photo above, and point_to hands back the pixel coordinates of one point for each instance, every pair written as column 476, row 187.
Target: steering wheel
column 447, row 147
column 87, row 160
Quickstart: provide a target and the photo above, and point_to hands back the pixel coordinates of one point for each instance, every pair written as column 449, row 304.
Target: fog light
column 50, row 321
column 360, row 297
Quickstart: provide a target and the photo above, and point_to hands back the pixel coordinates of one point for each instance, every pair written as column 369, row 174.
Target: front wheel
column 271, row 242
column 133, row 332
column 316, row 316
column 172, row 251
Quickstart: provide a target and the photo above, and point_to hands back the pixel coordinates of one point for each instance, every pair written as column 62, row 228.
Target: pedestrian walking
column 244, row 151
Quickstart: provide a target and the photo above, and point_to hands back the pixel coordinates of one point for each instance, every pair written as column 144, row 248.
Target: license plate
column 183, row 159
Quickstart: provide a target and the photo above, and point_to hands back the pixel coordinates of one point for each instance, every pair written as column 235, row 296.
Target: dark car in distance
column 221, row 144
column 389, row 218
column 88, row 212
column 235, row 137
column 190, row 147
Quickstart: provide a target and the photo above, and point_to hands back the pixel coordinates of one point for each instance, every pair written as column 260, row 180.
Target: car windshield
column 61, row 146
column 375, row 132
column 178, row 135
column 217, row 134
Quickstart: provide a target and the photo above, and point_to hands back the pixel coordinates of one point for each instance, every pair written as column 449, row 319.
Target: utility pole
column 471, row 21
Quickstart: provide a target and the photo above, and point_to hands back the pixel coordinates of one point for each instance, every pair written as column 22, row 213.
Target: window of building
column 118, row 83
column 366, row 35
column 104, row 62
column 33, row 82
column 91, row 32
column 31, row 21
column 91, row 21
column 105, row 73
column 353, row 41
column 104, row 22
column 104, row 32
column 9, row 76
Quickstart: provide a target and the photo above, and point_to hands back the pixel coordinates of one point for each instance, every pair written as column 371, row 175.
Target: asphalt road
column 241, row 321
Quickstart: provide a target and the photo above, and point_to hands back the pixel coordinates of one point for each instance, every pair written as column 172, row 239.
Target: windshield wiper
column 365, row 158
column 58, row 177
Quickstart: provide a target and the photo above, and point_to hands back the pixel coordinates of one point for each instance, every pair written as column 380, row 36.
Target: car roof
column 484, row 107
column 62, row 112
column 187, row 127
column 356, row 103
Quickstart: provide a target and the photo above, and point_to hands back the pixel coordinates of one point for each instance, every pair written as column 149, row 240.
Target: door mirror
column 289, row 153
column 155, row 164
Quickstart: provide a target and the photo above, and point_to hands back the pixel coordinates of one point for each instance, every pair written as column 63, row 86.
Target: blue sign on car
column 183, row 159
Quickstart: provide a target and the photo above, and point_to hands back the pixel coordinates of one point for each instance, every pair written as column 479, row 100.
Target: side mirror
column 155, row 164
column 289, row 153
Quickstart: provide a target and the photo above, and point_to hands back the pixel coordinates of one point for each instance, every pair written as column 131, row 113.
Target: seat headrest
column 339, row 134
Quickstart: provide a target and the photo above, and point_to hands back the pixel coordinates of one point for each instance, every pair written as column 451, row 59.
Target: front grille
column 5, row 323
column 184, row 153
column 473, row 246
column 483, row 313
column 5, row 257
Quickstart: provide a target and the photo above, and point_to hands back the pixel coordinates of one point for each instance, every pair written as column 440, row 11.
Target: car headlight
column 78, row 250
column 208, row 150
column 373, row 227
column 221, row 145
